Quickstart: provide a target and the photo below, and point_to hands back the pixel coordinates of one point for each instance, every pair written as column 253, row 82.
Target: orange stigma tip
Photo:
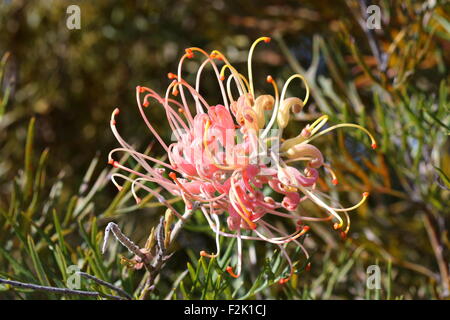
column 374, row 146
column 141, row 89
column 180, row 110
column 216, row 56
column 146, row 104
column 205, row 254
column 267, row 39
column 116, row 111
column 335, row 181
column 252, row 225
column 306, row 228
column 230, row 271
column 171, row 75
column 189, row 53
column 138, row 200
column 365, row 194
column 269, row 79
column 336, row 226
column 175, row 92
column 172, row 175
column 222, row 78
column 283, row 280
column 113, row 163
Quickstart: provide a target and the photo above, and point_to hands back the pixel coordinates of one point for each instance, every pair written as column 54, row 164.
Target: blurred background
column 59, row 87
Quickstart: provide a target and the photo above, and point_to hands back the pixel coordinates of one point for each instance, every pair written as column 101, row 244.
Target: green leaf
column 38, row 267
column 18, row 267
column 443, row 177
column 59, row 232
column 95, row 259
column 61, row 261
column 185, row 294
column 191, row 271
column 29, row 173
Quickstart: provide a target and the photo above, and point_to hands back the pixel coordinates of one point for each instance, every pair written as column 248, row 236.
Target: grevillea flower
column 230, row 159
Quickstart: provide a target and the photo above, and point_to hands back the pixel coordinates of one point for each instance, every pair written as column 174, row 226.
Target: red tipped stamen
column 308, row 267
column 230, row 271
column 203, row 253
column 374, row 146
column 267, row 39
column 334, row 181
column 189, row 53
column 113, row 163
column 283, row 280
column 173, row 175
column 269, row 79
column 301, row 228
column 171, row 75
column 365, row 194
column 215, row 55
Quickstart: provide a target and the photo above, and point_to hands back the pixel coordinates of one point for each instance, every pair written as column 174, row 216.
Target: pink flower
column 225, row 157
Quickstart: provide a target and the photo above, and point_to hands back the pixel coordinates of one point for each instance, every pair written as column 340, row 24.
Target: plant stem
column 58, row 290
column 106, row 284
column 162, row 257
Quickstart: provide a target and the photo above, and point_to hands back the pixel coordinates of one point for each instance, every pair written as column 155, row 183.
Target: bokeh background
column 59, row 87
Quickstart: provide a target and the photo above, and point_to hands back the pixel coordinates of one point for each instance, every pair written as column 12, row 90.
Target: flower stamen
column 249, row 61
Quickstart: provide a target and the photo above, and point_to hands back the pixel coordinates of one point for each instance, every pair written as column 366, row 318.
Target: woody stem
column 162, row 257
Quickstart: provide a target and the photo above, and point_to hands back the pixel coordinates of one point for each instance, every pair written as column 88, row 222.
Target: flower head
column 226, row 157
